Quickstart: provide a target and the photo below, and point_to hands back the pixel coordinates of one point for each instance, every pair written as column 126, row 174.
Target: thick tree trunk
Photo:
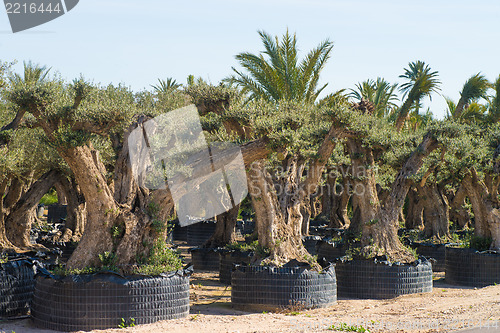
column 21, row 217
column 102, row 210
column 76, row 210
column 380, row 222
column 436, row 212
column 225, row 229
column 14, row 193
column 61, row 195
column 337, row 201
column 278, row 220
column 486, row 210
column 365, row 199
column 458, row 214
column 5, row 244
column 415, row 215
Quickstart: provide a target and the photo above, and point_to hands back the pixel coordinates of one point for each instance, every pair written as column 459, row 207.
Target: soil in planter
column 268, row 288
column 468, row 267
column 375, row 279
column 88, row 302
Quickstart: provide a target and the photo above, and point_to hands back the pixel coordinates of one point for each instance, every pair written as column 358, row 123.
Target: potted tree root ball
column 381, row 266
column 107, row 296
column 17, row 283
column 235, row 253
column 477, row 263
column 92, row 129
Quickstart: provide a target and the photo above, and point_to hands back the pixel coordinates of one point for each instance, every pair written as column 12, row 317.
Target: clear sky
column 137, row 42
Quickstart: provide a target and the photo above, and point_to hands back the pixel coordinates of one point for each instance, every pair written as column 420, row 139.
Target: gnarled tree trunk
column 225, row 229
column 278, row 221
column 436, row 212
column 5, row 244
column 22, row 215
column 458, row 214
column 415, row 215
column 76, row 209
column 486, row 209
column 380, row 221
column 336, row 198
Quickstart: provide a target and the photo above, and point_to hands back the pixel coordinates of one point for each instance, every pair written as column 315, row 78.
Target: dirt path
column 446, row 309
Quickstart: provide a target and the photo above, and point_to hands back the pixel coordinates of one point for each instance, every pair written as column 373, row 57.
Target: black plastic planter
column 17, row 283
column 261, row 287
column 311, row 244
column 331, row 251
column 179, row 233
column 468, row 267
column 88, row 302
column 227, row 261
column 434, row 251
column 205, row 259
column 199, row 233
column 381, row 280
column 56, row 213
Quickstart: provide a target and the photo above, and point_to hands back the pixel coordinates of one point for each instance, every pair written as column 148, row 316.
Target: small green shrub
column 161, row 259
column 125, row 324
column 480, row 243
column 346, row 328
column 254, row 246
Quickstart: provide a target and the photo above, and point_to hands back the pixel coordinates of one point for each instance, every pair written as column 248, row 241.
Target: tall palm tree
column 277, row 74
column 166, row 86
column 380, row 93
column 33, row 74
column 421, row 82
column 476, row 87
column 494, row 102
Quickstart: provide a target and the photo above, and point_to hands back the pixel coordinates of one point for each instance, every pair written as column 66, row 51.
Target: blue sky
column 137, row 42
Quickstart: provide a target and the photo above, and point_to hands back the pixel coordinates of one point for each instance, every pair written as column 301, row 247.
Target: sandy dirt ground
column 447, row 309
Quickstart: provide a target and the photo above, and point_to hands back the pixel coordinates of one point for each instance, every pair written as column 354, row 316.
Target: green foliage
column 161, row 259
column 63, row 271
column 380, row 92
column 476, row 242
column 346, row 328
column 158, row 225
column 255, row 247
column 49, row 198
column 108, row 261
column 125, row 324
column 282, row 76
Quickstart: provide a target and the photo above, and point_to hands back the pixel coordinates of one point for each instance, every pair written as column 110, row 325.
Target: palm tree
column 494, row 103
column 421, row 82
column 166, row 86
column 33, row 74
column 476, row 87
column 281, row 76
column 380, row 93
